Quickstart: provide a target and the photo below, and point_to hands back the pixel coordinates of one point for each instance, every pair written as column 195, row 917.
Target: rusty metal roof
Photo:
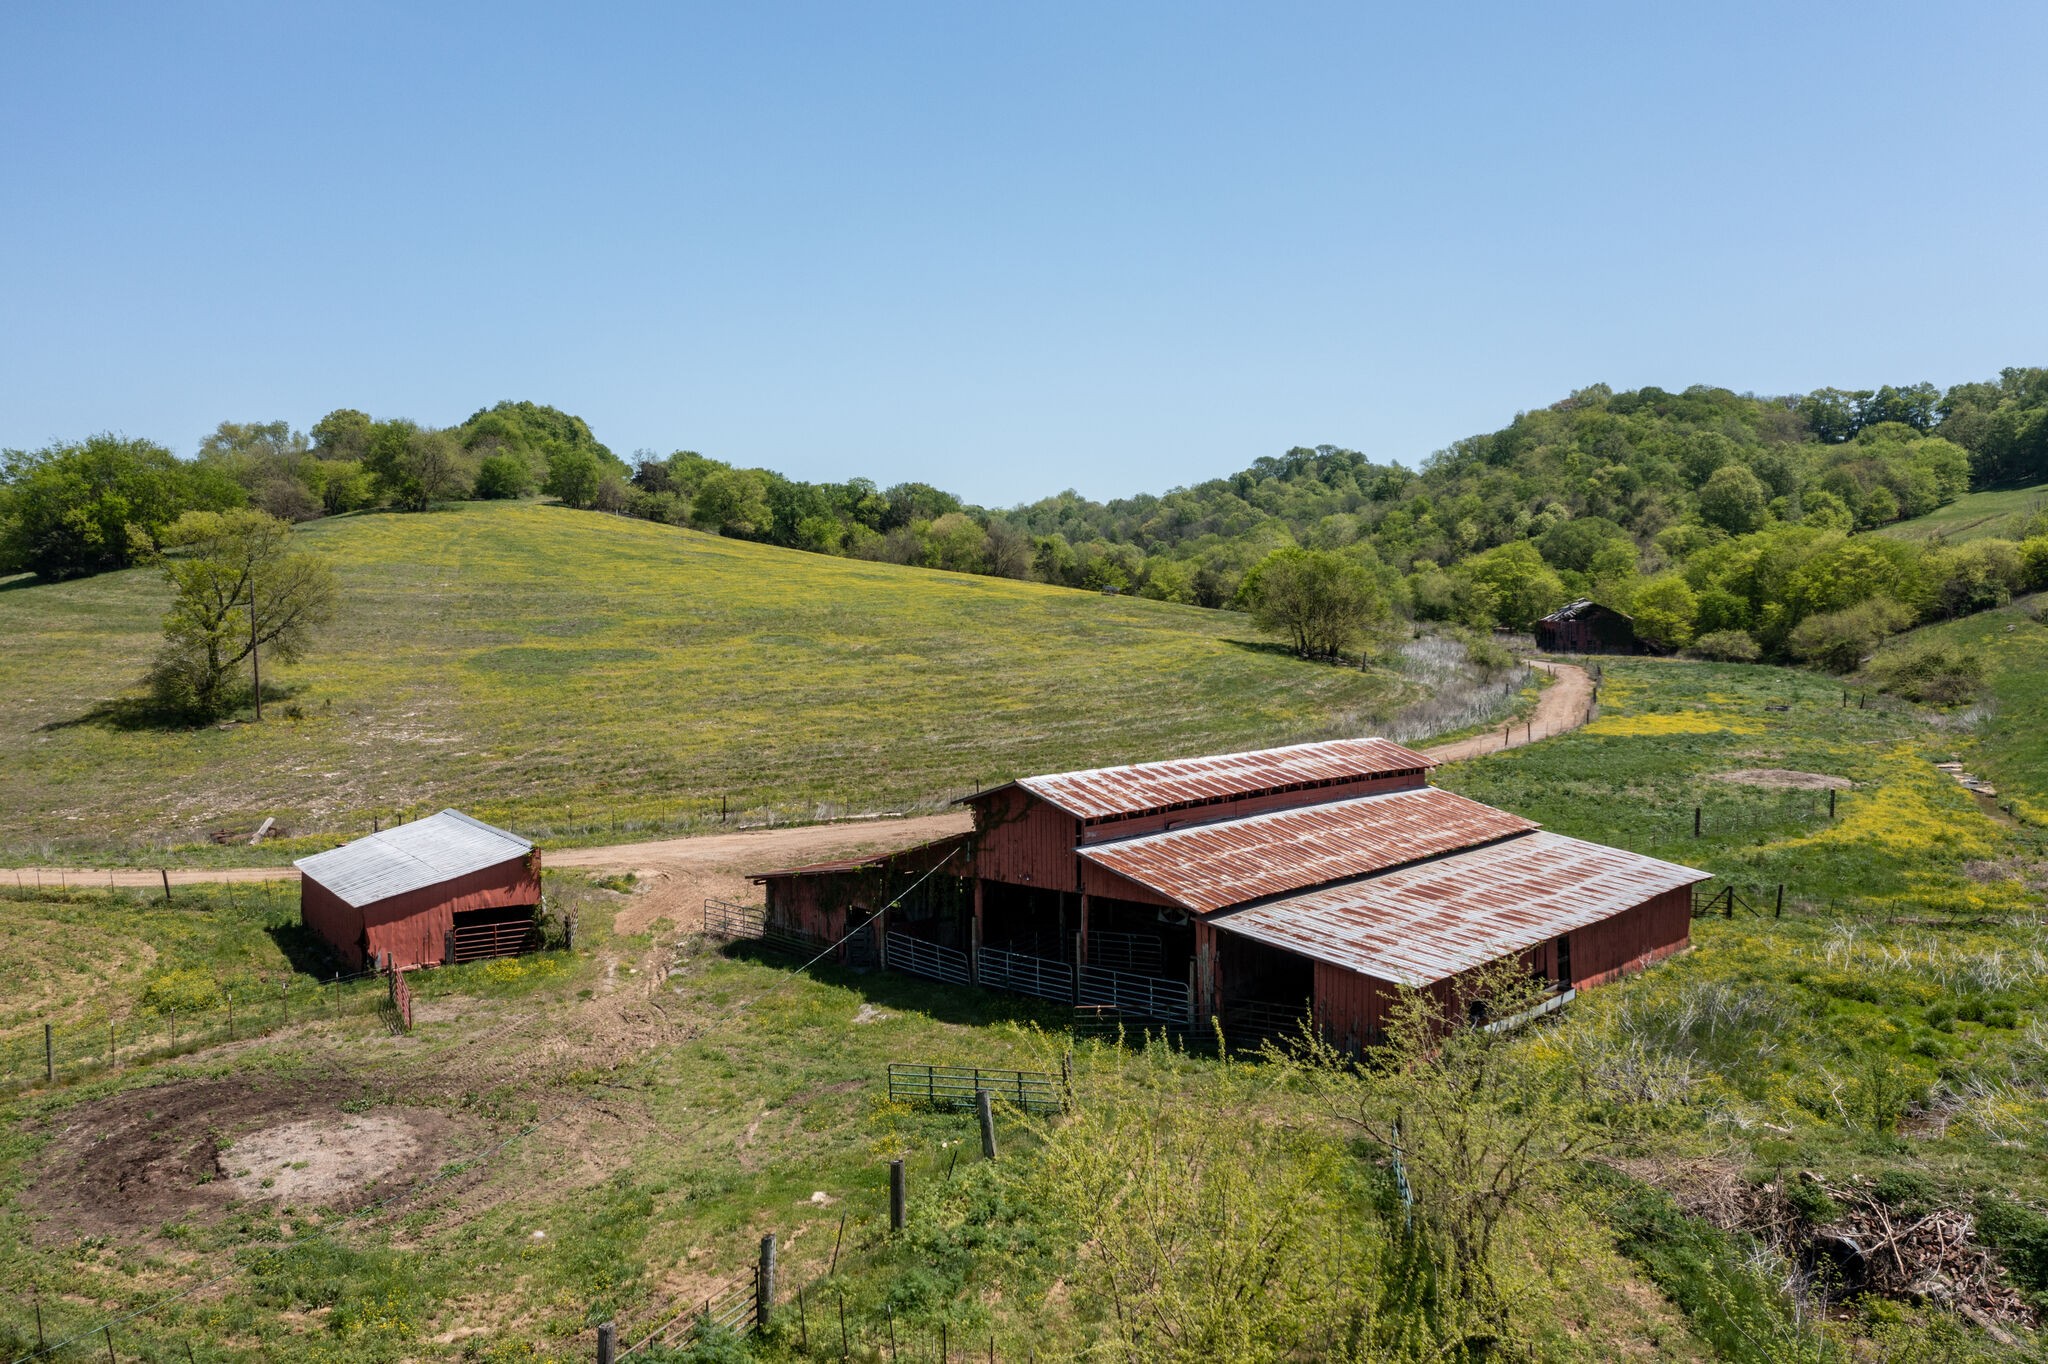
column 1420, row 924
column 408, row 857
column 950, row 843
column 1106, row 792
column 1213, row 866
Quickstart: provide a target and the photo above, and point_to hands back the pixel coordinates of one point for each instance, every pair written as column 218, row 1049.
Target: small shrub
column 1906, row 1191
column 1932, row 674
column 1809, row 1200
column 1838, row 640
column 1942, row 1016
column 184, row 990
column 2020, row 1236
column 1726, row 646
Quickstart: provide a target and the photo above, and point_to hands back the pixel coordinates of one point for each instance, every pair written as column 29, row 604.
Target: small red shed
column 439, row 890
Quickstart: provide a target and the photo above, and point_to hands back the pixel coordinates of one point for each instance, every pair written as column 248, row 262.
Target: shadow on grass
column 130, row 714
column 306, row 950
column 960, row 1004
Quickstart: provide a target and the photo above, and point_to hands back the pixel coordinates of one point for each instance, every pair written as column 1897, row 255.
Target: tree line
column 1730, row 524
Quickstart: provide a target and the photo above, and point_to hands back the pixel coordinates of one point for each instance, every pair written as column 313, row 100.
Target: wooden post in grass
column 764, row 1283
column 1779, row 911
column 1695, row 821
column 984, row 1109
column 898, row 1213
column 49, row 1055
column 109, row 1332
column 1831, row 802
column 165, row 873
column 607, row 1343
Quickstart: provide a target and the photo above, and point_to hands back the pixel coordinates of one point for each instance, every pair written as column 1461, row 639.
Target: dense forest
column 1728, row 524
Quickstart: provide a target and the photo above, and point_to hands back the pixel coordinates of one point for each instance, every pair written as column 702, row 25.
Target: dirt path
column 682, row 872
column 1562, row 706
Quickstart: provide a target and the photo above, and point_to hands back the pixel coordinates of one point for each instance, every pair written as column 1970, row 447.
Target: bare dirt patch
column 129, row 1163
column 1785, row 778
column 315, row 1162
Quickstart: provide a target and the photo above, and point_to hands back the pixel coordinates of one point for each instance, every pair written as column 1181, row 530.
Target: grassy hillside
column 1976, row 516
column 564, row 670
column 2009, row 746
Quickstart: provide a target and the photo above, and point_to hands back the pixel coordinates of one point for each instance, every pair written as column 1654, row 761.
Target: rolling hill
column 2002, row 512
column 565, row 671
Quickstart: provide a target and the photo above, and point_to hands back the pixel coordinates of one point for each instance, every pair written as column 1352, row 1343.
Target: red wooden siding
column 1024, row 841
column 414, row 927
column 1632, row 939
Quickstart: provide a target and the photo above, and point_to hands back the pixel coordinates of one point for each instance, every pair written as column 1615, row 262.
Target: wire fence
column 74, row 1046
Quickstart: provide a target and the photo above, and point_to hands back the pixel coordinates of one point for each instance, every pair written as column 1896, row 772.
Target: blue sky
column 1007, row 250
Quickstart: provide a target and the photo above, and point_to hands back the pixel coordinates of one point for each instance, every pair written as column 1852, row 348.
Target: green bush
column 1726, row 646
column 501, row 476
column 2020, row 1236
column 1839, row 640
column 1933, row 673
column 1906, row 1191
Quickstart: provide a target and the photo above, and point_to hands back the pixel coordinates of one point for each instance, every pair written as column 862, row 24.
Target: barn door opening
column 504, row 932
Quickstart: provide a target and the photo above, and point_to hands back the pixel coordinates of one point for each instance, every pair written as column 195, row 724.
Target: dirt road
column 680, row 873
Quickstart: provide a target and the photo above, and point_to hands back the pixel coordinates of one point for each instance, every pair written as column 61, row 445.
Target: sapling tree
column 243, row 595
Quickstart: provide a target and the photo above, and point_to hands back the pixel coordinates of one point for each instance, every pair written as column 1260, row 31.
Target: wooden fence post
column 165, row 873
column 1831, row 802
column 898, row 1213
column 984, row 1108
column 606, row 1343
column 1779, row 911
column 49, row 1055
column 1695, row 821
column 764, row 1283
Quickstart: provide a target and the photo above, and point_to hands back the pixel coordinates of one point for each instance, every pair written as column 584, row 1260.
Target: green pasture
column 578, row 675
column 1976, row 516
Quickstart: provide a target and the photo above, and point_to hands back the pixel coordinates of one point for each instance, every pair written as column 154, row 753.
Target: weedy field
column 578, row 676
column 606, row 1134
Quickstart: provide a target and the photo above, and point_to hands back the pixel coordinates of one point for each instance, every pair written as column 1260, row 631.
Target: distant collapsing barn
column 1250, row 887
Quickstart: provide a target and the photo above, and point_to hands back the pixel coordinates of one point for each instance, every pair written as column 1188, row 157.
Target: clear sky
column 1004, row 249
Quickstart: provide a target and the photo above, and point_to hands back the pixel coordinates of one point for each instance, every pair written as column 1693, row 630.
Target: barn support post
column 448, row 949
column 974, row 937
column 1081, row 939
column 1208, row 986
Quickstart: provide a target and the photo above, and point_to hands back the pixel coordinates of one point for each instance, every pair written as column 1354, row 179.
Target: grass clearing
column 1975, row 516
column 576, row 675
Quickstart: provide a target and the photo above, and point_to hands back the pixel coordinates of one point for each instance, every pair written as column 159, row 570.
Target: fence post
column 49, row 1055
column 1831, row 802
column 897, row 1211
column 231, row 1015
column 605, row 1343
column 165, row 873
column 984, row 1109
column 1779, row 911
column 764, row 1283
column 1695, row 821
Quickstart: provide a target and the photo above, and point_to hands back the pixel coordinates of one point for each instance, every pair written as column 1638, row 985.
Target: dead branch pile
column 1930, row 1255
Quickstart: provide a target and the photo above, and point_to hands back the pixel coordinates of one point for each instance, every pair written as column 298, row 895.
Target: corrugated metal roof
column 1421, row 924
column 1582, row 607
column 408, row 857
column 1213, row 866
column 1102, row 792
column 863, row 863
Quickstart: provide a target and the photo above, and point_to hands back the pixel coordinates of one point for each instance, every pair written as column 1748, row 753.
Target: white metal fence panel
column 1144, row 996
column 1026, row 975
column 934, row 960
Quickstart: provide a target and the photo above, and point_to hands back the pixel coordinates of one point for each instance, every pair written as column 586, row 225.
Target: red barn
column 1251, row 887
column 442, row 889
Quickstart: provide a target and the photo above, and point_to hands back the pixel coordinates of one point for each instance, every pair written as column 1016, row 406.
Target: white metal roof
column 1432, row 920
column 408, row 857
